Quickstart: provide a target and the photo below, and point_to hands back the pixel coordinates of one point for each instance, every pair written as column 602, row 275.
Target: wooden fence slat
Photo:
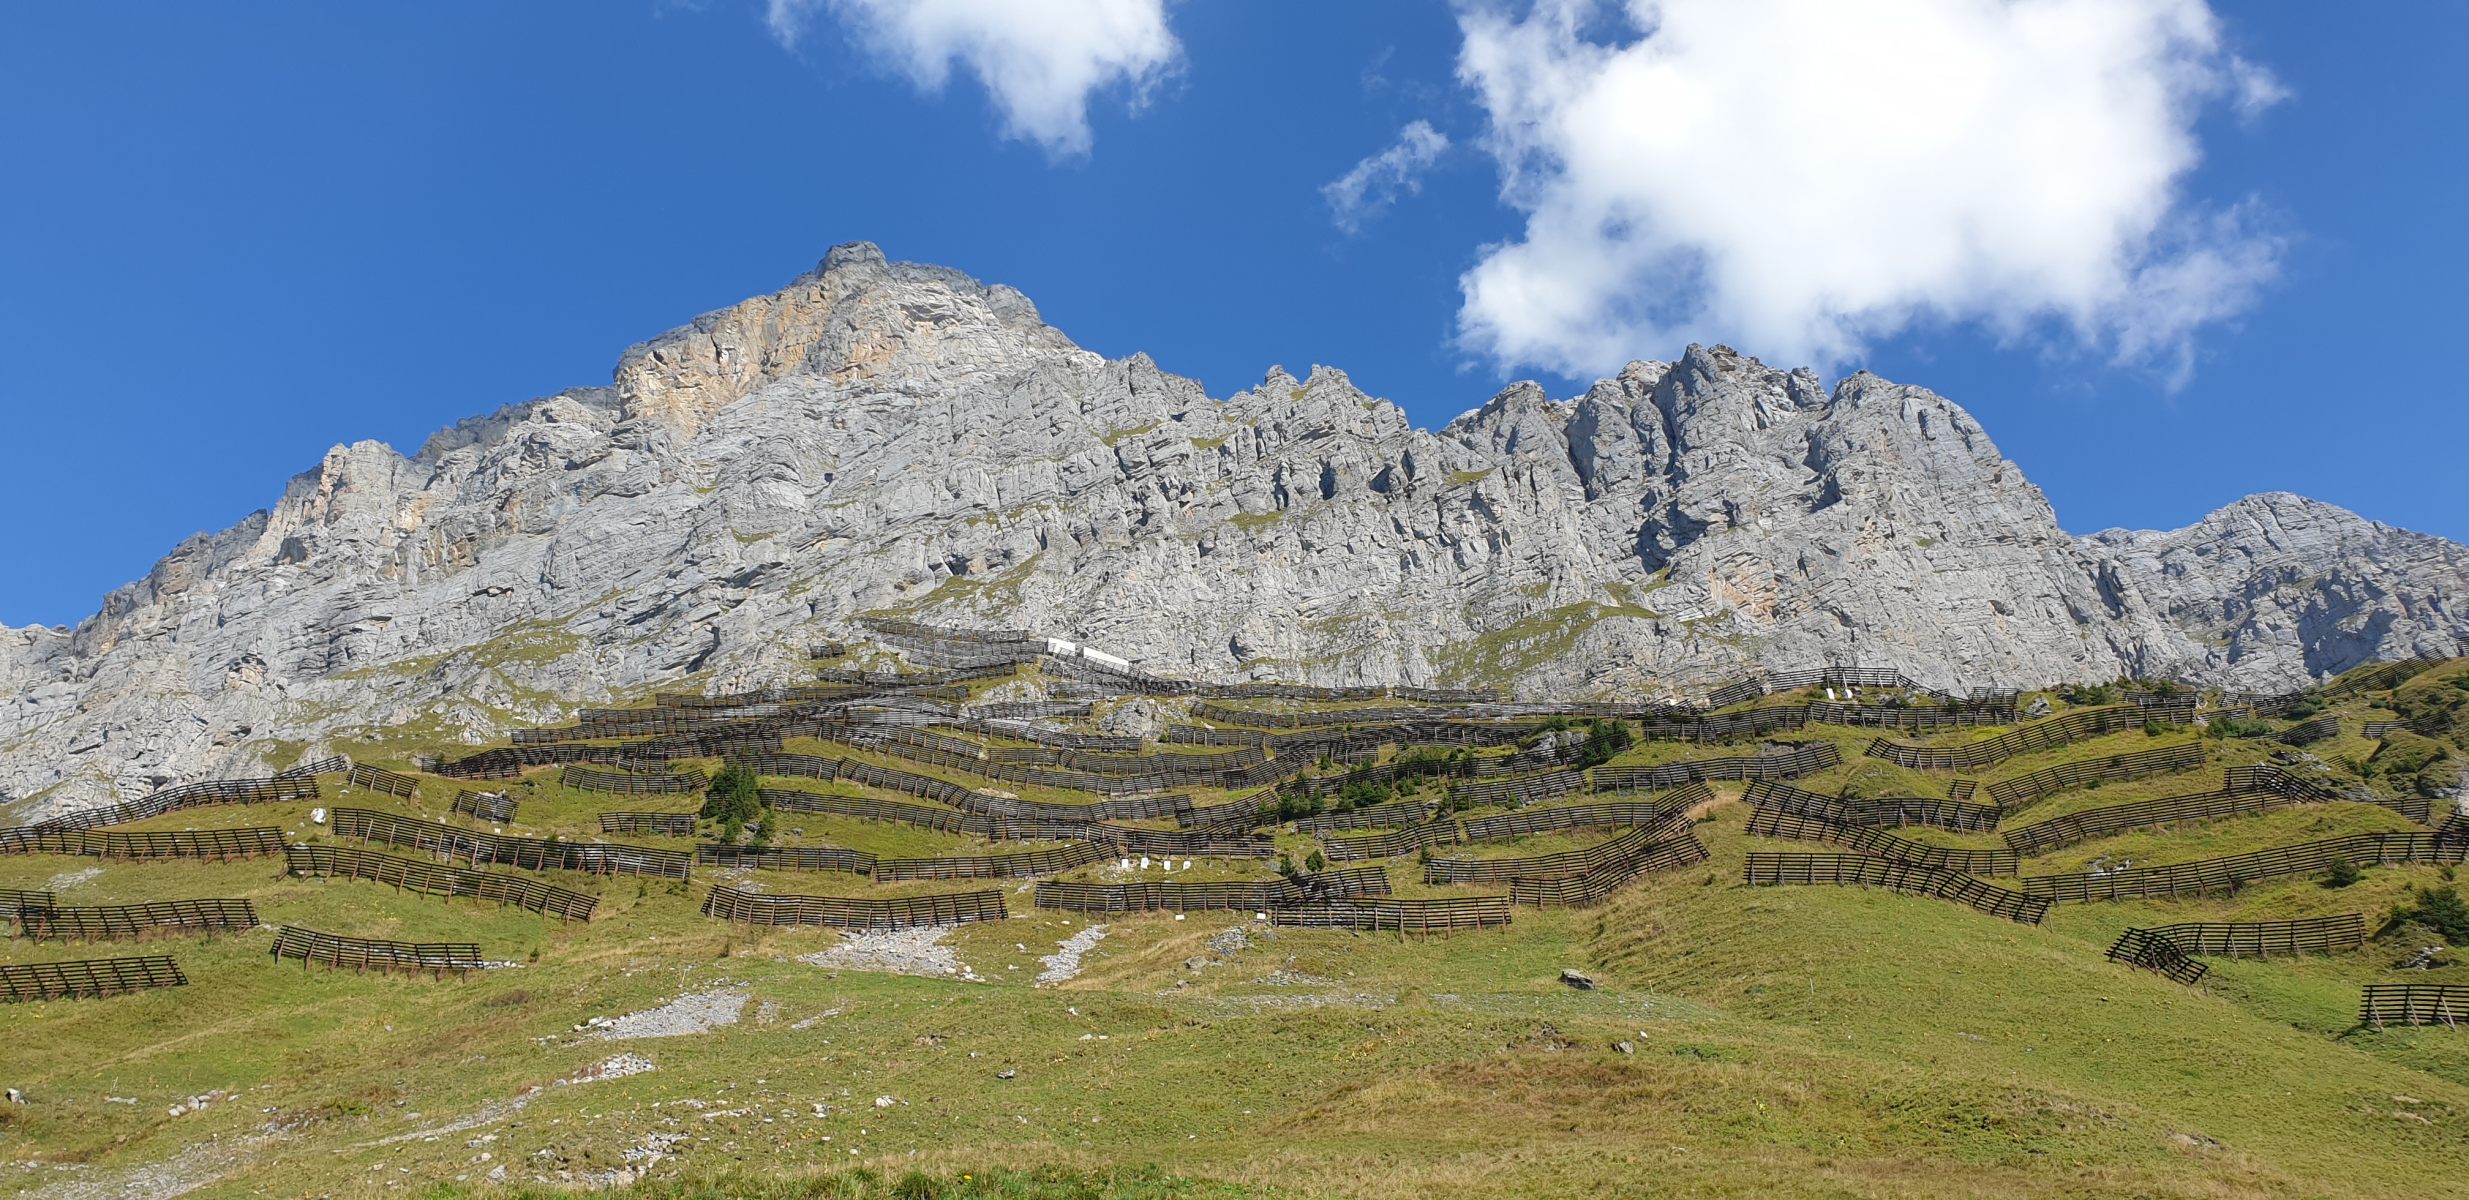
column 663, row 824
column 1403, row 916
column 1802, row 759
column 1896, row 811
column 496, row 807
column 438, row 879
column 951, row 908
column 379, row 779
column 1189, row 896
column 786, row 858
column 1772, row 822
column 2227, row 874
column 587, row 779
column 2382, row 1004
column 2169, row 949
column 1866, row 871
column 537, row 854
column 97, row 922
column 2047, row 734
column 361, row 954
column 2160, row 760
column 87, row 979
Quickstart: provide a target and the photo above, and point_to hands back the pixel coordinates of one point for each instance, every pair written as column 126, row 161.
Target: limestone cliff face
column 2278, row 586
column 884, row 437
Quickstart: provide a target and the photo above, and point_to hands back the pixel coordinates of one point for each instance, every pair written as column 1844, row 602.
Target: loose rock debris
column 899, row 951
column 1064, row 963
column 695, row 1012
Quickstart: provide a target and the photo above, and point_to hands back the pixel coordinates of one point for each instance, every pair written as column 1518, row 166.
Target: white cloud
column 1798, row 177
column 1375, row 183
column 2206, row 270
column 787, row 19
column 2257, row 88
column 1040, row 60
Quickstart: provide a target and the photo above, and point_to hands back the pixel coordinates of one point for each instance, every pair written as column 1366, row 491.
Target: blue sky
column 237, row 235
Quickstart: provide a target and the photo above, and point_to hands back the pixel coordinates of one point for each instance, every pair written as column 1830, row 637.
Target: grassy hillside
column 1781, row 1042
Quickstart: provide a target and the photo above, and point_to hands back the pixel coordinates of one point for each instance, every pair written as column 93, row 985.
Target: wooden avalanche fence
column 2209, row 875
column 865, row 808
column 1401, row 771
column 1598, row 883
column 485, row 806
column 87, row 979
column 662, row 824
column 587, row 779
column 1165, row 843
column 1390, row 845
column 2263, row 939
column 785, row 858
column 1619, row 848
column 509, row 762
column 1392, row 815
column 364, row 954
column 2023, row 739
column 1605, row 814
column 2307, row 732
column 2070, row 828
column 1024, row 865
column 437, row 879
column 2117, row 768
column 2385, row 675
column 2445, row 1004
column 840, row 912
column 333, row 764
column 215, row 844
column 1776, row 823
column 1802, row 759
column 1916, row 718
column 2168, row 949
column 50, row 836
column 1518, row 791
column 135, row 920
column 1865, row 871
column 379, row 779
column 1404, row 916
column 1897, row 811
column 1755, row 722
column 1265, row 719
column 16, row 900
column 1609, row 814
column 1836, row 677
column 2269, row 778
column 1239, row 815
column 1174, row 895
column 534, row 854
column 2151, row 951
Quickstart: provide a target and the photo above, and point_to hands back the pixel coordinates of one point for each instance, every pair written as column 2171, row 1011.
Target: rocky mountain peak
column 2276, row 579
column 890, row 438
column 853, row 319
column 1718, row 387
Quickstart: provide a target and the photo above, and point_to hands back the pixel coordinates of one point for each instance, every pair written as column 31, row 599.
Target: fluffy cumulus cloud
column 1798, row 177
column 1375, row 183
column 1040, row 60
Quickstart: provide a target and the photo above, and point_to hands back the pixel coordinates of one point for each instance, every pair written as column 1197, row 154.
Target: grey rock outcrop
column 891, row 438
column 2276, row 588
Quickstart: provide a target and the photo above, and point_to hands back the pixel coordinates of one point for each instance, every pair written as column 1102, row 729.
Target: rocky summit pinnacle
column 887, row 438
